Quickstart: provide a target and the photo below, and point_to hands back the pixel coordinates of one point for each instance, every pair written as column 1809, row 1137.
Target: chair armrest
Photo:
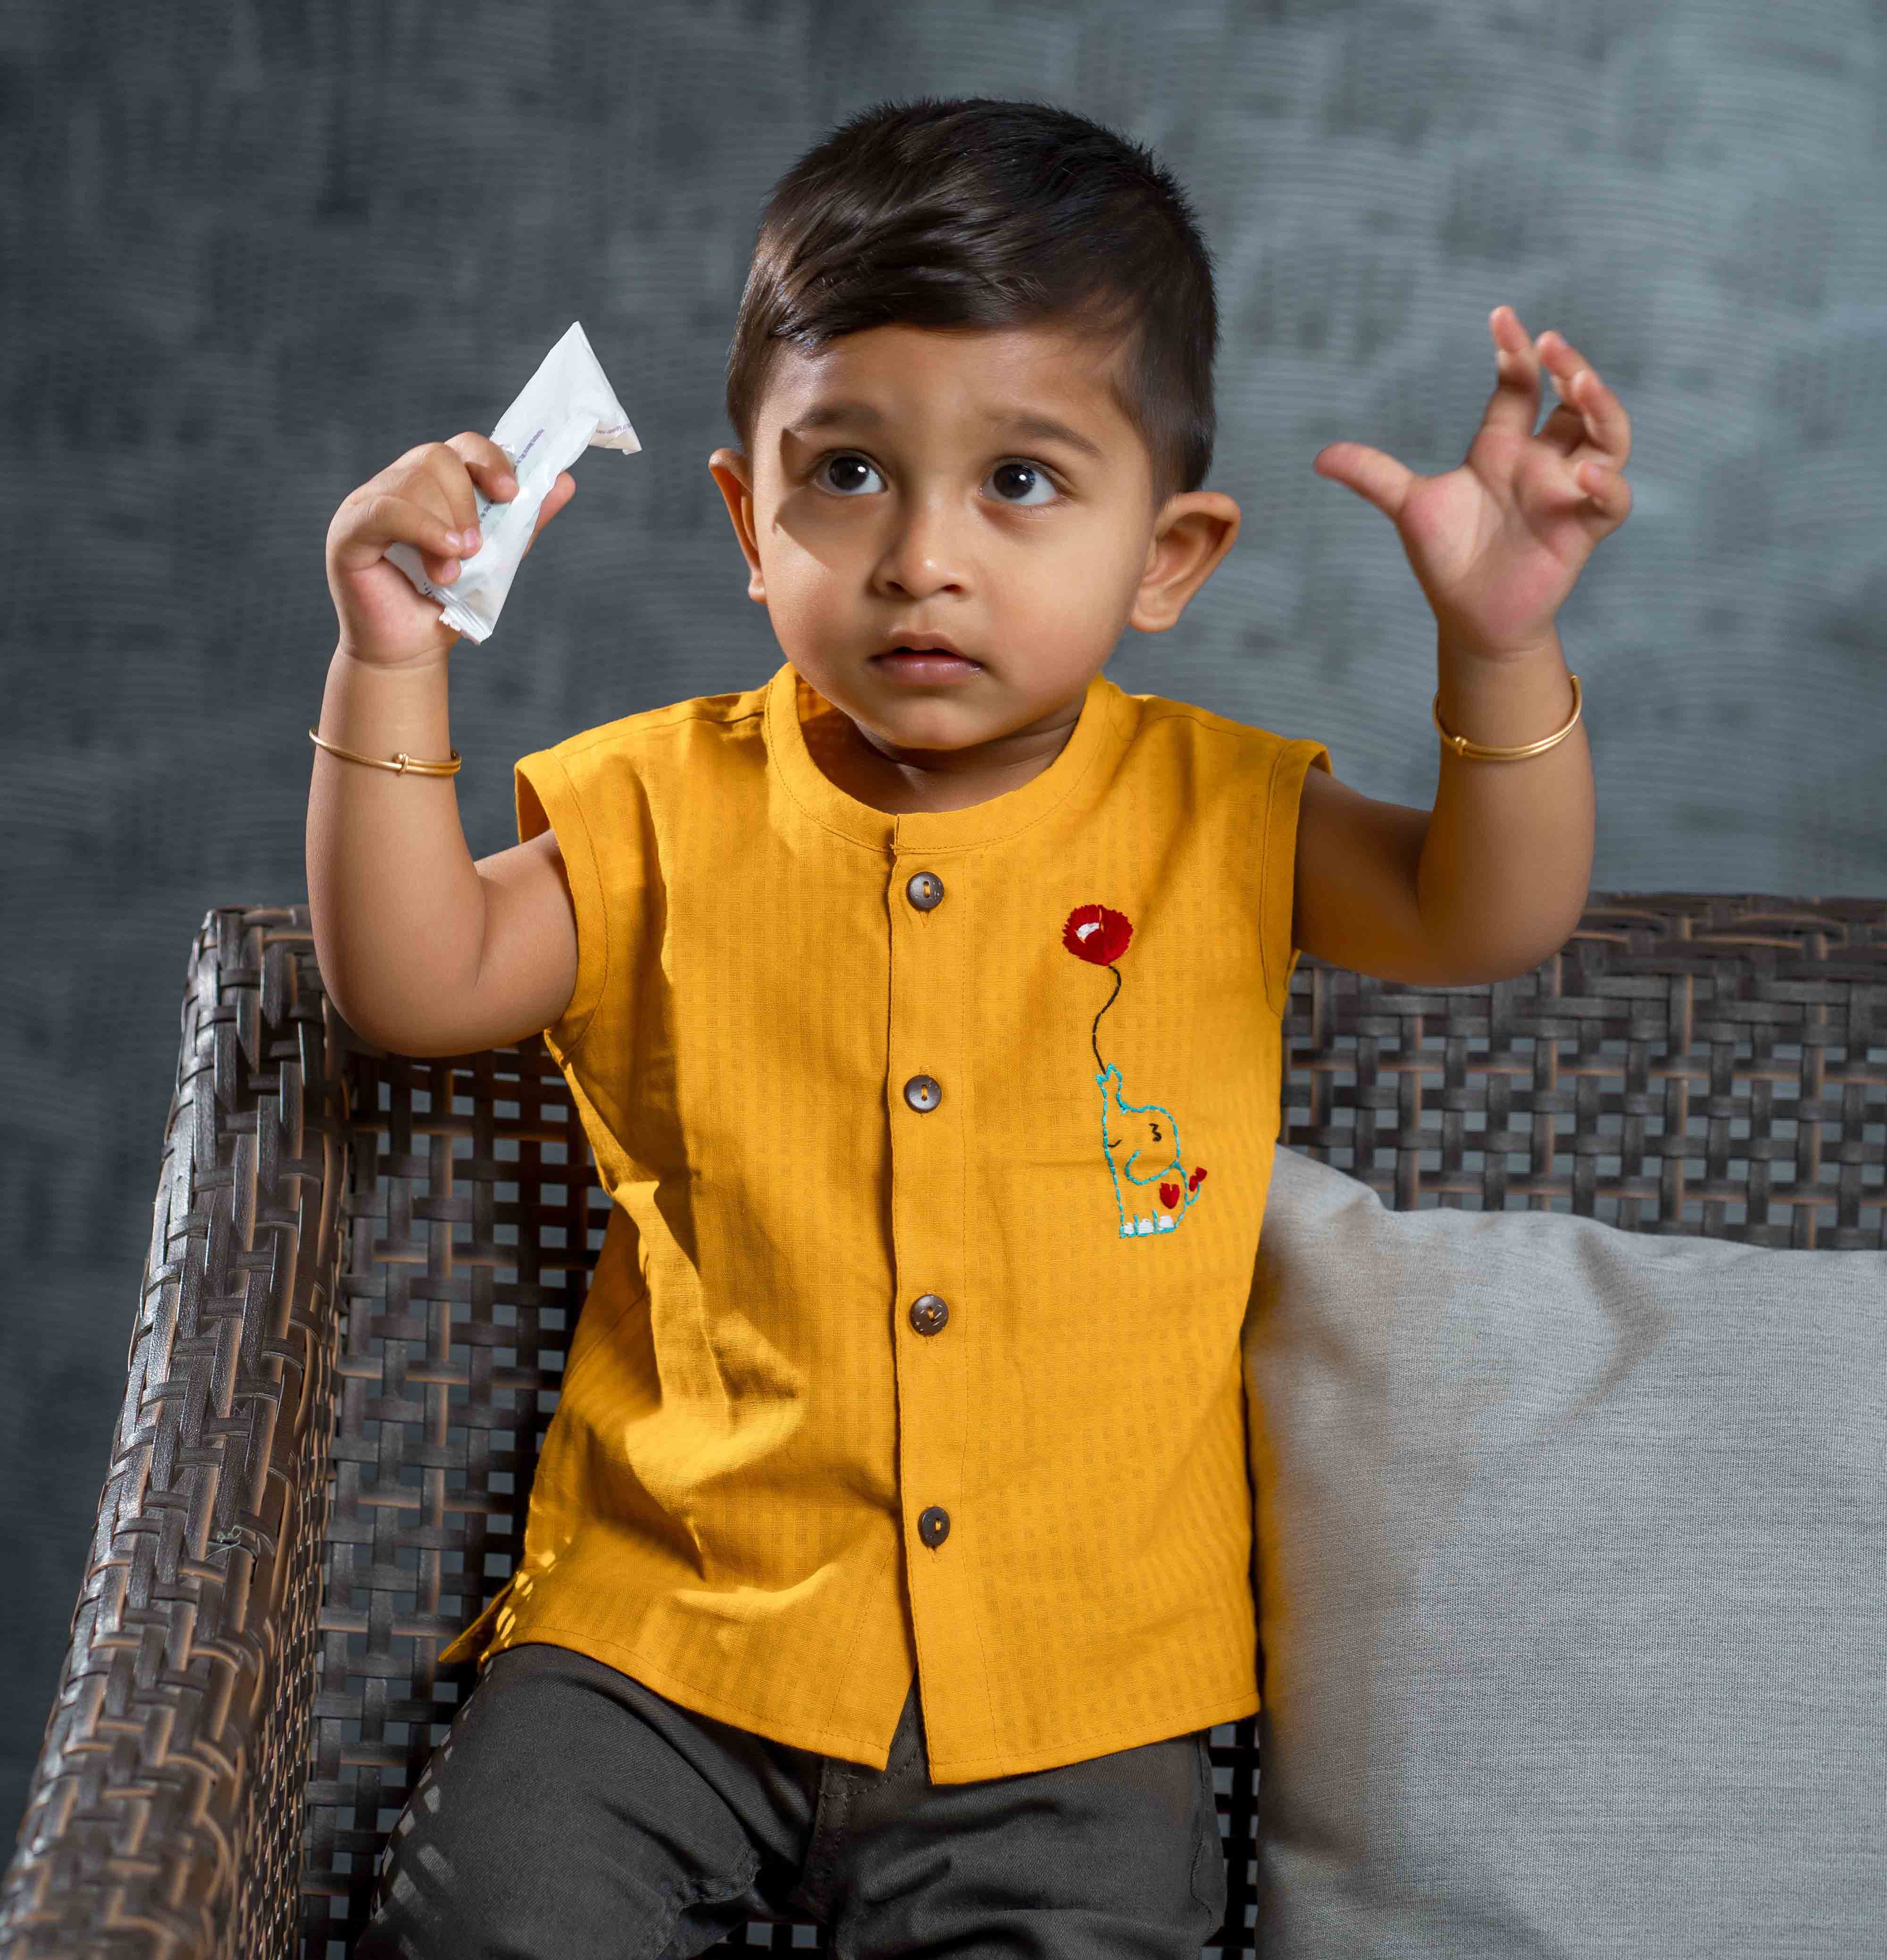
column 166, row 1810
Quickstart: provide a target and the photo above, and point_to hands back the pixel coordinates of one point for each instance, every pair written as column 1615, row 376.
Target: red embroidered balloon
column 1097, row 935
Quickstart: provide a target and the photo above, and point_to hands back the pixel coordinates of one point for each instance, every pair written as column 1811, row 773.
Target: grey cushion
column 1571, row 1569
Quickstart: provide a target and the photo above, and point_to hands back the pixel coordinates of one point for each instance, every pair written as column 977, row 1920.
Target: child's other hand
column 1498, row 544
column 422, row 499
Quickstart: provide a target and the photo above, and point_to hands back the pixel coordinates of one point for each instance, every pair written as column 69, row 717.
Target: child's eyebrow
column 1016, row 421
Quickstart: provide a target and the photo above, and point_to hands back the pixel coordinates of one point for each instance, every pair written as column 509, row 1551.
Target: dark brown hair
column 991, row 213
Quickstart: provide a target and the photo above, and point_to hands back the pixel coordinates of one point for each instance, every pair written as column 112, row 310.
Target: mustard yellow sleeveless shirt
column 938, row 1146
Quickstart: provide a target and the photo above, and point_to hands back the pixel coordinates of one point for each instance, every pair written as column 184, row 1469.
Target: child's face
column 889, row 493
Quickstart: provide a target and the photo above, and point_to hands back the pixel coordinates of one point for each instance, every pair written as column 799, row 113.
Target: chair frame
column 364, row 1270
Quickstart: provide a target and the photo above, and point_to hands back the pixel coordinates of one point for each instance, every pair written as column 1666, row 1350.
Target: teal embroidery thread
column 1100, row 935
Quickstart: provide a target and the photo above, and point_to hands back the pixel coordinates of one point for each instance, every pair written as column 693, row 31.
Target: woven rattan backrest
column 474, row 1219
column 1703, row 1063
column 365, row 1269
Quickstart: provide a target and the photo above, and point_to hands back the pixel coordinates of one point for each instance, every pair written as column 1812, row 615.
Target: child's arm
column 1494, row 880
column 1508, row 860
column 422, row 950
column 1489, row 884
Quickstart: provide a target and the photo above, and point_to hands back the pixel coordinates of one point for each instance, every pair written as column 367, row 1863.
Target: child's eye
column 1015, row 469
column 848, row 462
column 1007, row 471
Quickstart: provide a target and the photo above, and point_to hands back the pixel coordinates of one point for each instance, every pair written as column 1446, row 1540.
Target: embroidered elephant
column 1153, row 1188
column 1143, row 1144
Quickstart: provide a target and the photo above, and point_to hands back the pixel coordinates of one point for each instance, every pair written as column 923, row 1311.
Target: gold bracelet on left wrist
column 403, row 764
column 1485, row 751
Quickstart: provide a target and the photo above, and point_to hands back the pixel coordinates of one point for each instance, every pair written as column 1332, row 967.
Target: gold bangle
column 402, row 764
column 1486, row 753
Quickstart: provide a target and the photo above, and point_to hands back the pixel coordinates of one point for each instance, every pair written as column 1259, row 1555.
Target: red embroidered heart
column 1192, row 1183
column 1169, row 1195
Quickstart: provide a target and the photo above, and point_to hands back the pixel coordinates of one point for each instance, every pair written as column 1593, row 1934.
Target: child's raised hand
column 423, row 499
column 1498, row 544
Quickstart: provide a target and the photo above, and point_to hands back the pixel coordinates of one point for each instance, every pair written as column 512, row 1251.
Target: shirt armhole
column 547, row 800
column 1278, row 870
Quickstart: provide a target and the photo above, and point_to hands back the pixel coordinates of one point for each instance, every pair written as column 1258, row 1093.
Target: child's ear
column 734, row 475
column 1191, row 534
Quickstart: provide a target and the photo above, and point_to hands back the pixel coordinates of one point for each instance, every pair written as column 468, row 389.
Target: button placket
column 928, row 958
column 925, row 890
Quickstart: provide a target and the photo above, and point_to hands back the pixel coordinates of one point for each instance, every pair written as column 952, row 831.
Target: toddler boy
column 888, row 1562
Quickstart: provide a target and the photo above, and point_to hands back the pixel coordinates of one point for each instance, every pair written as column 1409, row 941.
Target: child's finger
column 493, row 468
column 1607, row 424
column 1606, row 488
column 1514, row 405
column 389, row 516
column 1601, row 413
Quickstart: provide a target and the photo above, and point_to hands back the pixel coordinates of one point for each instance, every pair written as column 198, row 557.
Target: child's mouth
column 928, row 664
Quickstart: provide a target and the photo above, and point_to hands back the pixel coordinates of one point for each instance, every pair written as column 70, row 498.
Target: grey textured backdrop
column 250, row 254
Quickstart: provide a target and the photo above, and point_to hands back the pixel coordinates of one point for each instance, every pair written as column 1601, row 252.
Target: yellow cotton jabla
column 938, row 1144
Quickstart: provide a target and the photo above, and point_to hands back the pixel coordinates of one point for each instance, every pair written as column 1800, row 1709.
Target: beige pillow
column 1572, row 1586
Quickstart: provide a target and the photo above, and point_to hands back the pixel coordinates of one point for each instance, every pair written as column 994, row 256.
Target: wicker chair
column 364, row 1270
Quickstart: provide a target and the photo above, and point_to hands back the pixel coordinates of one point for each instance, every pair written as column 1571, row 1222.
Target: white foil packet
column 566, row 406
